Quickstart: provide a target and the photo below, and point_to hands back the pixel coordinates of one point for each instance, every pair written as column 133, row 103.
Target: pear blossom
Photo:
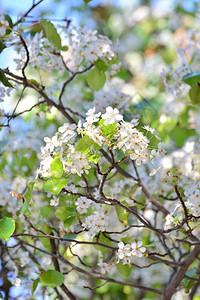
column 82, row 204
column 111, row 116
column 115, row 68
column 137, row 249
column 16, row 282
column 54, row 201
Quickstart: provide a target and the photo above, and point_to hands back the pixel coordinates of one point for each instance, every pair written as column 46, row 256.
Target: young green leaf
column 69, row 221
column 63, row 213
column 122, row 215
column 35, row 284
column 2, row 46
column 8, row 18
column 96, row 79
column 84, row 144
column 87, row 1
column 101, row 65
column 52, row 278
column 7, row 227
column 192, row 79
column 4, row 79
column 102, row 239
column 108, row 130
column 55, row 185
column 28, row 194
column 125, row 270
column 194, row 94
column 64, row 48
column 57, row 168
column 95, row 158
column 52, row 34
column 25, row 209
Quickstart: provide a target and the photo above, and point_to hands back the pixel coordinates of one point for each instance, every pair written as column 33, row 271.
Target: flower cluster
column 173, row 79
column 128, row 252
column 111, row 97
column 41, row 54
column 82, row 204
column 193, row 199
column 188, row 54
column 86, row 45
column 106, row 267
column 95, row 223
column 102, row 129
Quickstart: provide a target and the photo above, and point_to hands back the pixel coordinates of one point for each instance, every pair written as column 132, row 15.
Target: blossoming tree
column 101, row 209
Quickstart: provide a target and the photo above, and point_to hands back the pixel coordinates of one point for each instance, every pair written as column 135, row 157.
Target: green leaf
column 57, row 168
column 122, row 215
column 96, row 79
column 52, row 34
column 4, row 79
column 97, row 146
column 25, row 209
column 87, row 1
column 55, row 185
column 46, row 212
column 101, row 65
column 102, row 239
column 192, row 79
column 125, row 269
column 108, row 130
column 63, row 213
column 84, row 145
column 64, row 48
column 7, row 227
column 191, row 272
column 8, row 18
column 127, row 239
column 95, row 158
column 194, row 94
column 35, row 284
column 187, row 284
column 35, row 82
column 152, row 245
column 184, row 116
column 2, row 46
column 69, row 221
column 28, row 194
column 52, row 278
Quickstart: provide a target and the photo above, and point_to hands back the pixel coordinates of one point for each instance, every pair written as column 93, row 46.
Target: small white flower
column 54, row 201
column 16, row 282
column 137, row 249
column 111, row 116
column 154, row 171
column 115, row 68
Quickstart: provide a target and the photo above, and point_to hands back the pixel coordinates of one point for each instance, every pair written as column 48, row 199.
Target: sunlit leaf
column 4, row 79
column 55, row 185
column 96, row 79
column 52, row 278
column 52, row 34
column 7, row 227
column 192, row 79
column 57, row 168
